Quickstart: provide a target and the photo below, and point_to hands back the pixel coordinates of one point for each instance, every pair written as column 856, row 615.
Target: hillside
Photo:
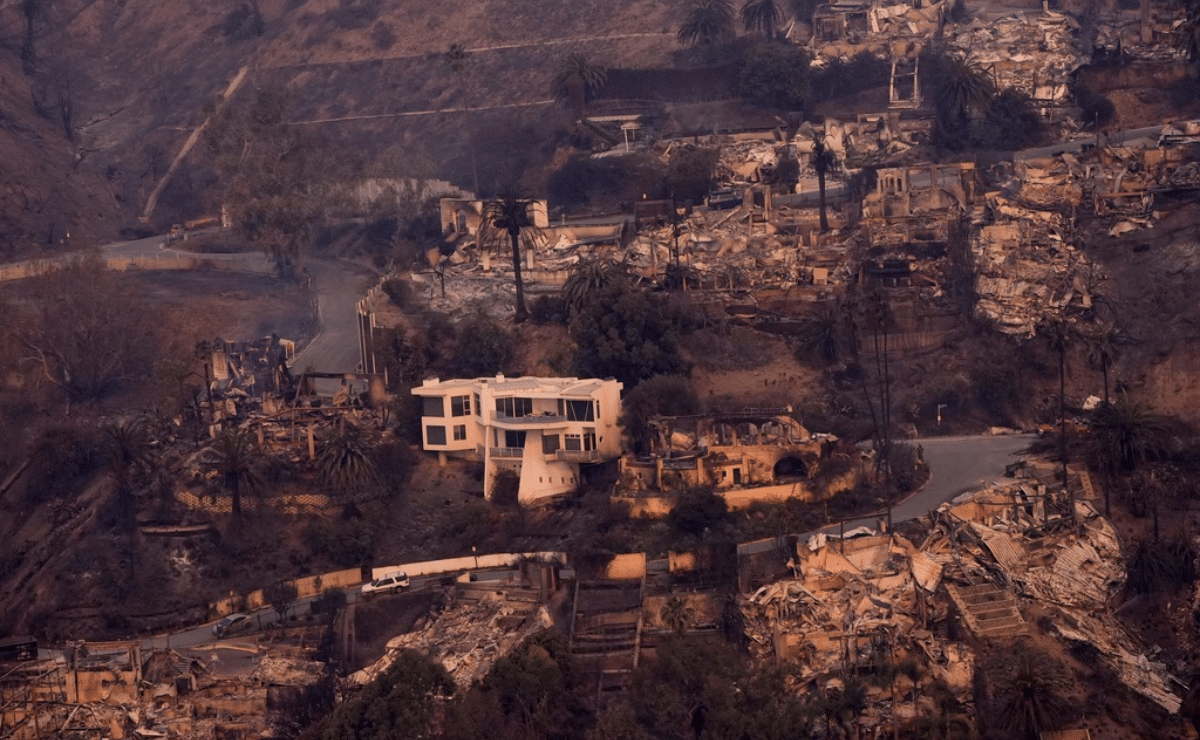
column 139, row 73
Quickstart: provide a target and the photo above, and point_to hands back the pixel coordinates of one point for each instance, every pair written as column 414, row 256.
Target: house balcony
column 578, row 456
column 509, row 452
column 524, row 422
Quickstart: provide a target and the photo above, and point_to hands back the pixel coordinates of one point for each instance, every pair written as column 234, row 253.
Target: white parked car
column 387, row 584
column 232, row 624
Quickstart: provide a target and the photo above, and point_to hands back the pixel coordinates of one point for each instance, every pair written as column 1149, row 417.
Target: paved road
column 201, row 637
column 336, row 284
column 957, row 465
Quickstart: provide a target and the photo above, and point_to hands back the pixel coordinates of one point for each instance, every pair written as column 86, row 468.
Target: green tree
column 536, row 684
column 577, row 80
column 238, row 462
column 698, row 511
column 706, row 22
column 399, row 704
column 776, row 74
column 282, row 596
column 588, row 279
column 346, row 461
column 762, row 15
column 1032, row 689
column 662, row 395
column 483, row 348
column 690, row 172
column 281, row 180
column 508, row 215
column 624, row 334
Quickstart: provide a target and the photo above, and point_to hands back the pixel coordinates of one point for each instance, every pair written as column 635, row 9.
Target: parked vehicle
column 232, row 624
column 387, row 584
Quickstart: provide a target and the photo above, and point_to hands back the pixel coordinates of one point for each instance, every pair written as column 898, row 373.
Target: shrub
column 666, row 395
column 906, row 468
column 549, row 309
column 506, row 487
column 690, row 173
column 776, row 75
column 399, row 291
column 483, row 348
column 1011, row 122
column 698, row 511
column 840, row 78
column 624, row 334
column 1162, row 565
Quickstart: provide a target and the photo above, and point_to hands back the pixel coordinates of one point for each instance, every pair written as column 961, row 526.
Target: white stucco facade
column 540, row 428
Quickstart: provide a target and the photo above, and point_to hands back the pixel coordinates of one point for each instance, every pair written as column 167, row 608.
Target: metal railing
column 506, row 452
column 583, row 456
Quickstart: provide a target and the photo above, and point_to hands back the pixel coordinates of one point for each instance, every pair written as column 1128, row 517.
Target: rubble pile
column 466, row 638
column 1034, row 54
column 987, row 559
column 1001, row 537
column 851, row 599
column 1026, row 266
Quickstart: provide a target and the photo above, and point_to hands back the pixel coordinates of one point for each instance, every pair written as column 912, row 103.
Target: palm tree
column 587, row 279
column 1058, row 337
column 509, row 214
column 821, row 336
column 959, row 87
column 1124, row 435
column 458, row 58
column 237, row 459
column 345, row 462
column 127, row 452
column 1032, row 685
column 762, row 15
column 1102, row 353
column 676, row 614
column 577, row 80
column 823, row 161
column 706, row 22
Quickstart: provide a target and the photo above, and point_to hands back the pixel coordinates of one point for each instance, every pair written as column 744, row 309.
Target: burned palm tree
column 509, row 215
column 823, row 161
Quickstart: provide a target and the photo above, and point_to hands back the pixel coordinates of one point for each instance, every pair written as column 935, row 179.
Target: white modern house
column 542, row 429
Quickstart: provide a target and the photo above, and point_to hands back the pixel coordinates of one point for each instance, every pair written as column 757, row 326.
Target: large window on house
column 460, row 432
column 433, row 406
column 589, row 439
column 435, row 435
column 478, row 406
column 460, row 405
column 579, row 410
column 513, row 407
column 573, row 442
column 550, row 444
column 514, row 439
